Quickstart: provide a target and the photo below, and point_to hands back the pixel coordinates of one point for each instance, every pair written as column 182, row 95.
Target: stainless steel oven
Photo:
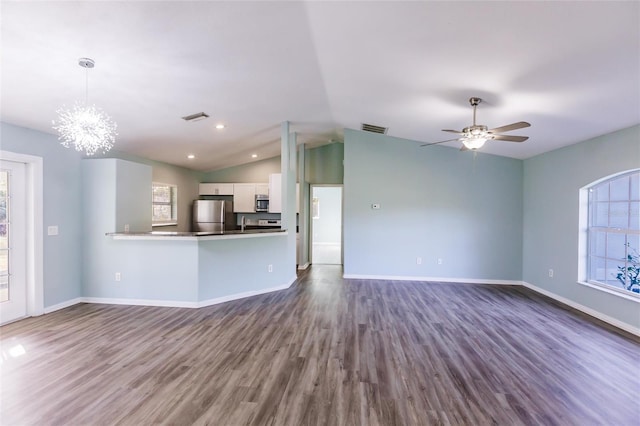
column 262, row 203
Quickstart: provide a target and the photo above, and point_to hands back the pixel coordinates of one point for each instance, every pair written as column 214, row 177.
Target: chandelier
column 85, row 126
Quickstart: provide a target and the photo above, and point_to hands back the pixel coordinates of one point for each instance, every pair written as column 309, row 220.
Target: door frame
column 34, row 228
column 310, row 242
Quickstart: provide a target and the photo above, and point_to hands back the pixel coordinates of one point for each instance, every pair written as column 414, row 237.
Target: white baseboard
column 243, row 295
column 303, row 266
column 141, row 302
column 166, row 303
column 62, row 305
column 606, row 318
column 431, row 279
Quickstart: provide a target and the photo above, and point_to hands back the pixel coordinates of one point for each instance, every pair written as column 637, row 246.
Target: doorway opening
column 326, row 224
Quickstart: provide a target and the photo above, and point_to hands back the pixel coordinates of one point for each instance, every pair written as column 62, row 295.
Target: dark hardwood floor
column 326, row 351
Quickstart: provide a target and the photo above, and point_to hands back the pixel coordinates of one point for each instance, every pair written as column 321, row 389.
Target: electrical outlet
column 270, row 268
column 52, row 230
column 550, row 273
column 439, row 261
column 126, row 228
column 118, row 276
column 418, row 261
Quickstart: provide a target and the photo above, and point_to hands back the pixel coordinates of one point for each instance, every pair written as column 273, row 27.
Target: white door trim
column 34, row 228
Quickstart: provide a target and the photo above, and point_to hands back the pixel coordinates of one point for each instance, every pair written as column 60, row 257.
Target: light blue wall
column 228, row 267
column 62, row 207
column 150, row 270
column 133, row 196
column 324, row 164
column 115, row 192
column 436, row 202
column 551, row 186
column 167, row 271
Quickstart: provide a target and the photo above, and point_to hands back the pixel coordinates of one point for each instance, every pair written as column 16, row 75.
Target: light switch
column 52, row 230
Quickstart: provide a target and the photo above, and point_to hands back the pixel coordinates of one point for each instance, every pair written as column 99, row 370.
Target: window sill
column 612, row 290
column 153, row 225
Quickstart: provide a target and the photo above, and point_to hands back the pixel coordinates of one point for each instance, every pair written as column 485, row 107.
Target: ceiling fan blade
column 452, row 131
column 509, row 138
column 510, row 127
column 436, row 143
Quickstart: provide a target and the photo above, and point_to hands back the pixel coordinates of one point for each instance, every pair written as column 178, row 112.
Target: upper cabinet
column 216, row 189
column 262, row 189
column 275, row 193
column 244, row 197
column 244, row 194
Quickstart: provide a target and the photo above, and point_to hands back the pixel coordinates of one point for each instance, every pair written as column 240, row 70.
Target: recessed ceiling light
column 254, row 155
column 191, row 156
column 219, row 126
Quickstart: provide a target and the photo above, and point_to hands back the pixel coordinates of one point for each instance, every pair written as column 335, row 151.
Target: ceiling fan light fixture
column 474, row 142
column 475, row 136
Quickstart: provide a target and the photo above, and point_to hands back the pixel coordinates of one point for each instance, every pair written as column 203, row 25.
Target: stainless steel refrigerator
column 213, row 216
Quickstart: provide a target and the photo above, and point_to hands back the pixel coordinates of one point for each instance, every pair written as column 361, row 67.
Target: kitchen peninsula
column 180, row 269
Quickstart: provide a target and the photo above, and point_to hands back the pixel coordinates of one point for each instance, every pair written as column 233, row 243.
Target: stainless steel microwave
column 262, row 203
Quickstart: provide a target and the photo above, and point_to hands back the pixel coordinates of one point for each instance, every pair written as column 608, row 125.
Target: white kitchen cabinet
column 244, row 197
column 275, row 193
column 216, row 189
column 262, row 189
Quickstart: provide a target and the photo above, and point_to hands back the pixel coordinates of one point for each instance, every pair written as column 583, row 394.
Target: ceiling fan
column 475, row 136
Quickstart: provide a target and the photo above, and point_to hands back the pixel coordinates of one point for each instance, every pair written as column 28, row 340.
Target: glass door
column 13, row 291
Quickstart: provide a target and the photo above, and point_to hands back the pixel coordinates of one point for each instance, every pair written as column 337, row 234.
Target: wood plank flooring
column 327, row 351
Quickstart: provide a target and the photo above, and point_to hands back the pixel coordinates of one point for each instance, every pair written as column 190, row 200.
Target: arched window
column 613, row 234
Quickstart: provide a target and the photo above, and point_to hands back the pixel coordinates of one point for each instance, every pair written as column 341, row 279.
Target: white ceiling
column 571, row 69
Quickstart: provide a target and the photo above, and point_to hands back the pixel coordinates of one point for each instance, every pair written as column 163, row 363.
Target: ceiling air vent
column 195, row 117
column 374, row 129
